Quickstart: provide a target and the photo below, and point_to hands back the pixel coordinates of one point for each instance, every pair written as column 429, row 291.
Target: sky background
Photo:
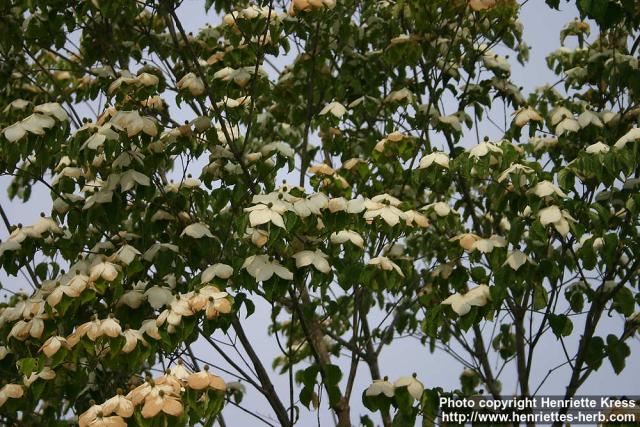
column 405, row 356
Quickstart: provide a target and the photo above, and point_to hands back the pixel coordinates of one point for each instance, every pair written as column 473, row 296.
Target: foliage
column 335, row 181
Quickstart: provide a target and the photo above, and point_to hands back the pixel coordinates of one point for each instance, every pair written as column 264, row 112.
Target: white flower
column 52, row 109
column 52, row 345
column 380, row 387
column 264, row 213
column 96, row 140
column 384, row 206
column 334, row 108
column 436, row 157
column 126, row 254
column 321, row 169
column 135, row 297
column 344, row 236
column 158, row 296
column 546, row 188
column 197, row 231
column 316, row 258
column 517, row 259
column 337, row 204
column 281, row 147
column 311, row 205
column 631, row 136
column 262, row 268
column 414, row 387
column 597, row 148
column 132, row 177
column 403, row 94
column 35, row 123
column 10, row 391
column 487, row 245
column 386, row 264
column 133, row 123
column 484, row 148
column 440, row 208
column 191, row 82
column 9, row 245
column 514, row 168
column 589, row 118
column 525, row 115
column 567, row 125
column 461, row 304
column 559, row 219
column 110, row 327
column 104, row 270
column 412, row 216
column 558, row 114
column 494, row 61
column 222, row 271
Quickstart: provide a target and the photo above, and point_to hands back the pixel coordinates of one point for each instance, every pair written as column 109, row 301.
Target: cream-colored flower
column 545, row 189
column 110, row 327
column 416, row 217
column 197, row 231
column 589, row 118
column 414, row 387
column 441, row 209
column 52, row 109
column 526, row 115
column 133, row 123
column 46, row 374
column 487, row 245
column 484, row 148
column 558, row 114
column 386, row 264
column 437, row 157
column 383, row 206
column 515, row 168
column 131, row 339
column 559, row 219
column 461, row 304
column 10, row 391
column 379, row 387
column 118, row 405
column 344, row 236
column 335, row 108
column 192, row 83
column 103, row 270
column 598, row 148
column 262, row 268
column 204, row 379
column 316, row 258
column 478, row 5
column 263, row 213
column 517, row 259
column 321, row 169
column 568, row 124
column 52, row 345
column 158, row 296
column 631, row 136
column 222, row 271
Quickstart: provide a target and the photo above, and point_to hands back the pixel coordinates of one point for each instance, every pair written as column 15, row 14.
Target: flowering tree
column 330, row 168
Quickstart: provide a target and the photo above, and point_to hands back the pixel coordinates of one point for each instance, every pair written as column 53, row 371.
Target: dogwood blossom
column 385, row 263
column 461, row 304
column 316, row 258
column 262, row 268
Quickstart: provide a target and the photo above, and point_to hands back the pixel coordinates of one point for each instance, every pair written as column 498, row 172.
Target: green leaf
column 594, row 352
column 617, row 351
column 333, row 374
column 561, row 325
